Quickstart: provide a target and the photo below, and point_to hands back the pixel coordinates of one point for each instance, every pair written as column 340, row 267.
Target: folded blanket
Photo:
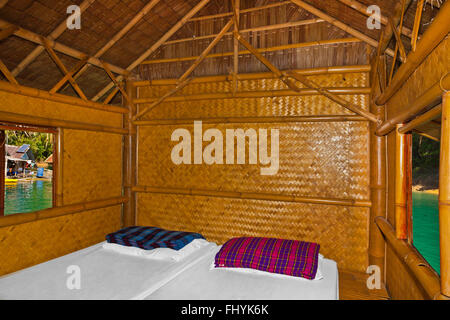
column 149, row 238
column 290, row 257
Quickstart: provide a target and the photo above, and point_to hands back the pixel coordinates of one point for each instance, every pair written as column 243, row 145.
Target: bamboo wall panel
column 92, row 166
column 255, row 107
column 28, row 244
column 316, row 160
column 341, row 231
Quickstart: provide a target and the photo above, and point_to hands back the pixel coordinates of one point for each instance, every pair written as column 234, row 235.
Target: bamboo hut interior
column 344, row 97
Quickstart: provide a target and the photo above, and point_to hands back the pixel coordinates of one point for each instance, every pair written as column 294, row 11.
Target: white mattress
column 198, row 282
column 104, row 275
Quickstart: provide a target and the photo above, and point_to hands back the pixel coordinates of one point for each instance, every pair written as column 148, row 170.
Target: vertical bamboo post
column 444, row 196
column 3, row 164
column 129, row 159
column 400, row 186
column 377, row 179
column 59, row 168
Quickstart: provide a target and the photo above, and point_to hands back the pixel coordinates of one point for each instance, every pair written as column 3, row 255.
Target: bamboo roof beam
column 435, row 33
column 254, row 29
column 156, row 45
column 304, row 81
column 399, row 45
column 422, row 119
column 183, row 80
column 121, row 33
column 70, row 74
column 118, row 86
column 362, row 8
column 7, row 32
column 229, row 14
column 339, row 24
column 260, row 50
column 38, row 39
column 417, row 19
column 388, row 31
column 300, row 92
column 55, row 34
column 259, row 75
column 7, row 73
column 3, row 3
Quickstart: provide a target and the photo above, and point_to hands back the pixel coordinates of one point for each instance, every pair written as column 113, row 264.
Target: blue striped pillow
column 149, row 238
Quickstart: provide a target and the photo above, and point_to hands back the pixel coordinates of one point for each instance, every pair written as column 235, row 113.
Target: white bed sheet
column 104, row 275
column 198, row 282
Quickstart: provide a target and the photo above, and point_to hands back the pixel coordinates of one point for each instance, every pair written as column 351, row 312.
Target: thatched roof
column 103, row 19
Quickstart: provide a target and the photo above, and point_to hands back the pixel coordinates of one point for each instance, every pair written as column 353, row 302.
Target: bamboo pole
column 6, row 33
column 435, row 33
column 420, row 269
column 400, row 186
column 183, row 80
column 431, row 97
column 7, row 74
column 70, row 74
column 259, row 75
column 3, row 3
column 253, row 196
column 399, row 43
column 378, row 184
column 284, row 119
column 417, row 19
column 41, row 94
column 396, row 16
column 19, row 218
column 129, row 160
column 40, row 121
column 254, row 29
column 55, row 34
column 362, row 8
column 229, row 14
column 339, row 24
column 422, row 119
column 59, row 192
column 444, row 196
column 236, row 45
column 155, row 46
column 33, row 37
column 256, row 94
column 260, row 50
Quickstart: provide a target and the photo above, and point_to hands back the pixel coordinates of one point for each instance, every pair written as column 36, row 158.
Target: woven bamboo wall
column 436, row 65
column 91, row 161
column 317, row 159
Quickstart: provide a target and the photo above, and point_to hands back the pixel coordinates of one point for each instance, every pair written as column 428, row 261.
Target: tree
column 41, row 144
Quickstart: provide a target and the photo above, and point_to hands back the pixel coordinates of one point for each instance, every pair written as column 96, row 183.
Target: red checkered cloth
column 290, row 257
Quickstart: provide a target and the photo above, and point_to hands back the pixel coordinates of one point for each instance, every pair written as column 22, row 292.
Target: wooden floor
column 352, row 286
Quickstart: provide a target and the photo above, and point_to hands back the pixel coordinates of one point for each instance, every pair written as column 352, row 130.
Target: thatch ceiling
column 105, row 18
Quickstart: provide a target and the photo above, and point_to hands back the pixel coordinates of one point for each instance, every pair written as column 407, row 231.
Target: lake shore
column 420, row 188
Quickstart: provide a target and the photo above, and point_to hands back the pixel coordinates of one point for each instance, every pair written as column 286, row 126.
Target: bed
column 201, row 282
column 110, row 275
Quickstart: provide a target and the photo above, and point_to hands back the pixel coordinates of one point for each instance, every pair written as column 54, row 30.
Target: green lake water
column 28, row 196
column 426, row 227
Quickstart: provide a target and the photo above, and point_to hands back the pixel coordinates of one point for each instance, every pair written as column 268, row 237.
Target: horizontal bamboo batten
column 229, row 14
column 257, row 94
column 255, row 29
column 258, row 76
column 421, row 270
column 435, row 33
column 41, row 94
column 45, row 122
column 33, row 37
column 253, row 196
column 430, row 98
column 19, row 218
column 260, row 50
column 293, row 119
column 422, row 119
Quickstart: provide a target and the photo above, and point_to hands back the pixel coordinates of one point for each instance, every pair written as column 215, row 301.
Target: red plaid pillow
column 290, row 257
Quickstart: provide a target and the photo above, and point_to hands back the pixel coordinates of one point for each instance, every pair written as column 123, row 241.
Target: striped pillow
column 289, row 257
column 149, row 238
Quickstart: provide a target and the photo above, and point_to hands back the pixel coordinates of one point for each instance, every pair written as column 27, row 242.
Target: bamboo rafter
column 155, row 46
column 69, row 75
column 118, row 86
column 236, row 18
column 399, row 44
column 3, row 3
column 305, row 81
column 7, row 32
column 55, row 34
column 7, row 73
column 63, row 68
column 56, row 46
column 183, row 80
column 339, row 24
column 417, row 19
